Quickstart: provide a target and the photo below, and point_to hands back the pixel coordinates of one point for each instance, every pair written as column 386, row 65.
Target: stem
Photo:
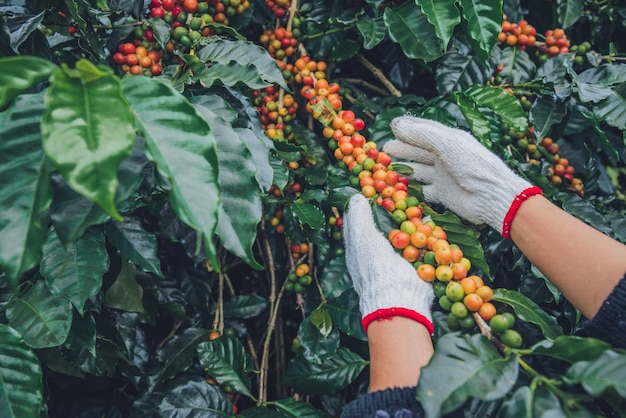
column 266, row 347
column 376, row 72
column 359, row 82
column 609, row 58
column 117, row 26
column 171, row 334
column 220, row 303
column 353, row 100
column 324, row 33
column 293, row 8
column 231, row 289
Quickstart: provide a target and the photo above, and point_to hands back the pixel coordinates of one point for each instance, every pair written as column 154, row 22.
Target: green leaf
column 334, row 277
column 478, row 122
column 583, row 210
column 568, row 12
column 373, row 31
column 460, row 234
column 245, row 306
column 484, row 21
column 320, row 318
column 380, row 131
column 18, row 74
column 186, row 395
column 179, row 353
column 318, row 341
column 298, row 409
column 125, row 293
column 21, row 388
column 234, row 62
column 82, row 334
column 135, row 243
column 612, row 110
column 571, row 348
column 334, row 374
column 346, row 315
column 44, row 320
column 261, row 412
column 226, row 361
column 25, row 192
column 443, row 15
column 181, row 143
column 463, row 367
column 87, row 131
column 75, row 273
column 518, row 66
column 344, row 50
column 546, row 112
column 591, row 92
column 503, row 104
column 598, row 375
column 457, row 71
column 529, row 311
column 241, row 209
column 410, row 28
column 309, row 214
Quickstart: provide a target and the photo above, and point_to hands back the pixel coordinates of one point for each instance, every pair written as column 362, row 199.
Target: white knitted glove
column 459, row 172
column 386, row 283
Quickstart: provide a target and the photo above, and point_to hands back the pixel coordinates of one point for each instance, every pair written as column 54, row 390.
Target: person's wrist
column 388, row 313
column 522, row 197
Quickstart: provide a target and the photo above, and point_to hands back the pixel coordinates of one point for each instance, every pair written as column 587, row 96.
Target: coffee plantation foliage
column 171, row 199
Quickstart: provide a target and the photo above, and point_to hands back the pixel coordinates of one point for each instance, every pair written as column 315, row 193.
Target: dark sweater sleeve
column 388, row 403
column 609, row 324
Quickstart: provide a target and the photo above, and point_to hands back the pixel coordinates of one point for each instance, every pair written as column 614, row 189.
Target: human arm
column 458, row 172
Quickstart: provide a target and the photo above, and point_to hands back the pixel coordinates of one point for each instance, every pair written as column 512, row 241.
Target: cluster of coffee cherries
column 556, row 43
column 520, row 34
column 218, row 10
column 299, row 279
column 276, row 221
column 277, row 113
column 418, row 239
column 279, row 42
column 280, row 8
column 135, row 59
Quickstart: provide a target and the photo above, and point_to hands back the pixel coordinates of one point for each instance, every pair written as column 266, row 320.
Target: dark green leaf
column 478, row 122
column 261, row 412
column 125, row 293
column 181, row 143
column 309, row 214
column 484, row 21
column 25, row 192
column 187, row 395
column 528, row 311
column 226, row 360
column 245, row 306
column 346, row 314
column 571, row 348
column 318, row 341
column 235, row 62
column 583, row 210
column 82, row 334
column 410, row 28
column 546, row 112
column 380, row 131
column 334, row 374
column 320, row 318
column 161, row 31
column 373, row 31
column 503, row 104
column 24, row 32
column 334, row 278
column 21, row 389
column 598, row 375
column 344, row 50
column 44, row 320
column 443, row 15
column 457, row 71
column 463, row 367
column 20, row 73
column 87, row 131
column 298, row 409
column 135, row 243
column 591, row 92
column 75, row 273
column 612, row 110
column 241, row 209
column 340, row 196
column 179, row 352
column 568, row 12
column 461, row 235
column 518, row 66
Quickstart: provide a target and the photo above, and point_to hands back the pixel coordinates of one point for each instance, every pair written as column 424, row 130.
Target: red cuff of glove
column 388, row 313
column 517, row 202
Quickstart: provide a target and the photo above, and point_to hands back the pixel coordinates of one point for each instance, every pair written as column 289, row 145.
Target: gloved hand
column 387, row 284
column 459, row 172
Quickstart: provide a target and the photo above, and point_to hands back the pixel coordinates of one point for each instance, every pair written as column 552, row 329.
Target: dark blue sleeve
column 389, row 403
column 609, row 324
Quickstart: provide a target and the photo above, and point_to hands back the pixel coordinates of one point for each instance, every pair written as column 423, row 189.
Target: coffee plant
column 173, row 176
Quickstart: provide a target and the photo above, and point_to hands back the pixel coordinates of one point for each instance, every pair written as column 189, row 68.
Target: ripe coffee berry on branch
column 520, row 34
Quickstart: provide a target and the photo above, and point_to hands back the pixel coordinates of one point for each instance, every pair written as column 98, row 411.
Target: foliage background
column 136, row 212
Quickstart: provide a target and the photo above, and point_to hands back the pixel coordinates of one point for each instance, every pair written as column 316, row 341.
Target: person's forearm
column 399, row 348
column 583, row 263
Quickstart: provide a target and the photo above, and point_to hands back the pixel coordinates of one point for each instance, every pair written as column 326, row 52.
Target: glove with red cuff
column 386, row 283
column 458, row 172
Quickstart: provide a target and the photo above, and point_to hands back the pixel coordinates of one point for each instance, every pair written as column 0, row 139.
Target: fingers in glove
column 402, row 150
column 426, row 134
column 422, row 172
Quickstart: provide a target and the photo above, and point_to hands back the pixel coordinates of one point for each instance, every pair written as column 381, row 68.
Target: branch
column 376, row 72
column 359, row 82
column 266, row 347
